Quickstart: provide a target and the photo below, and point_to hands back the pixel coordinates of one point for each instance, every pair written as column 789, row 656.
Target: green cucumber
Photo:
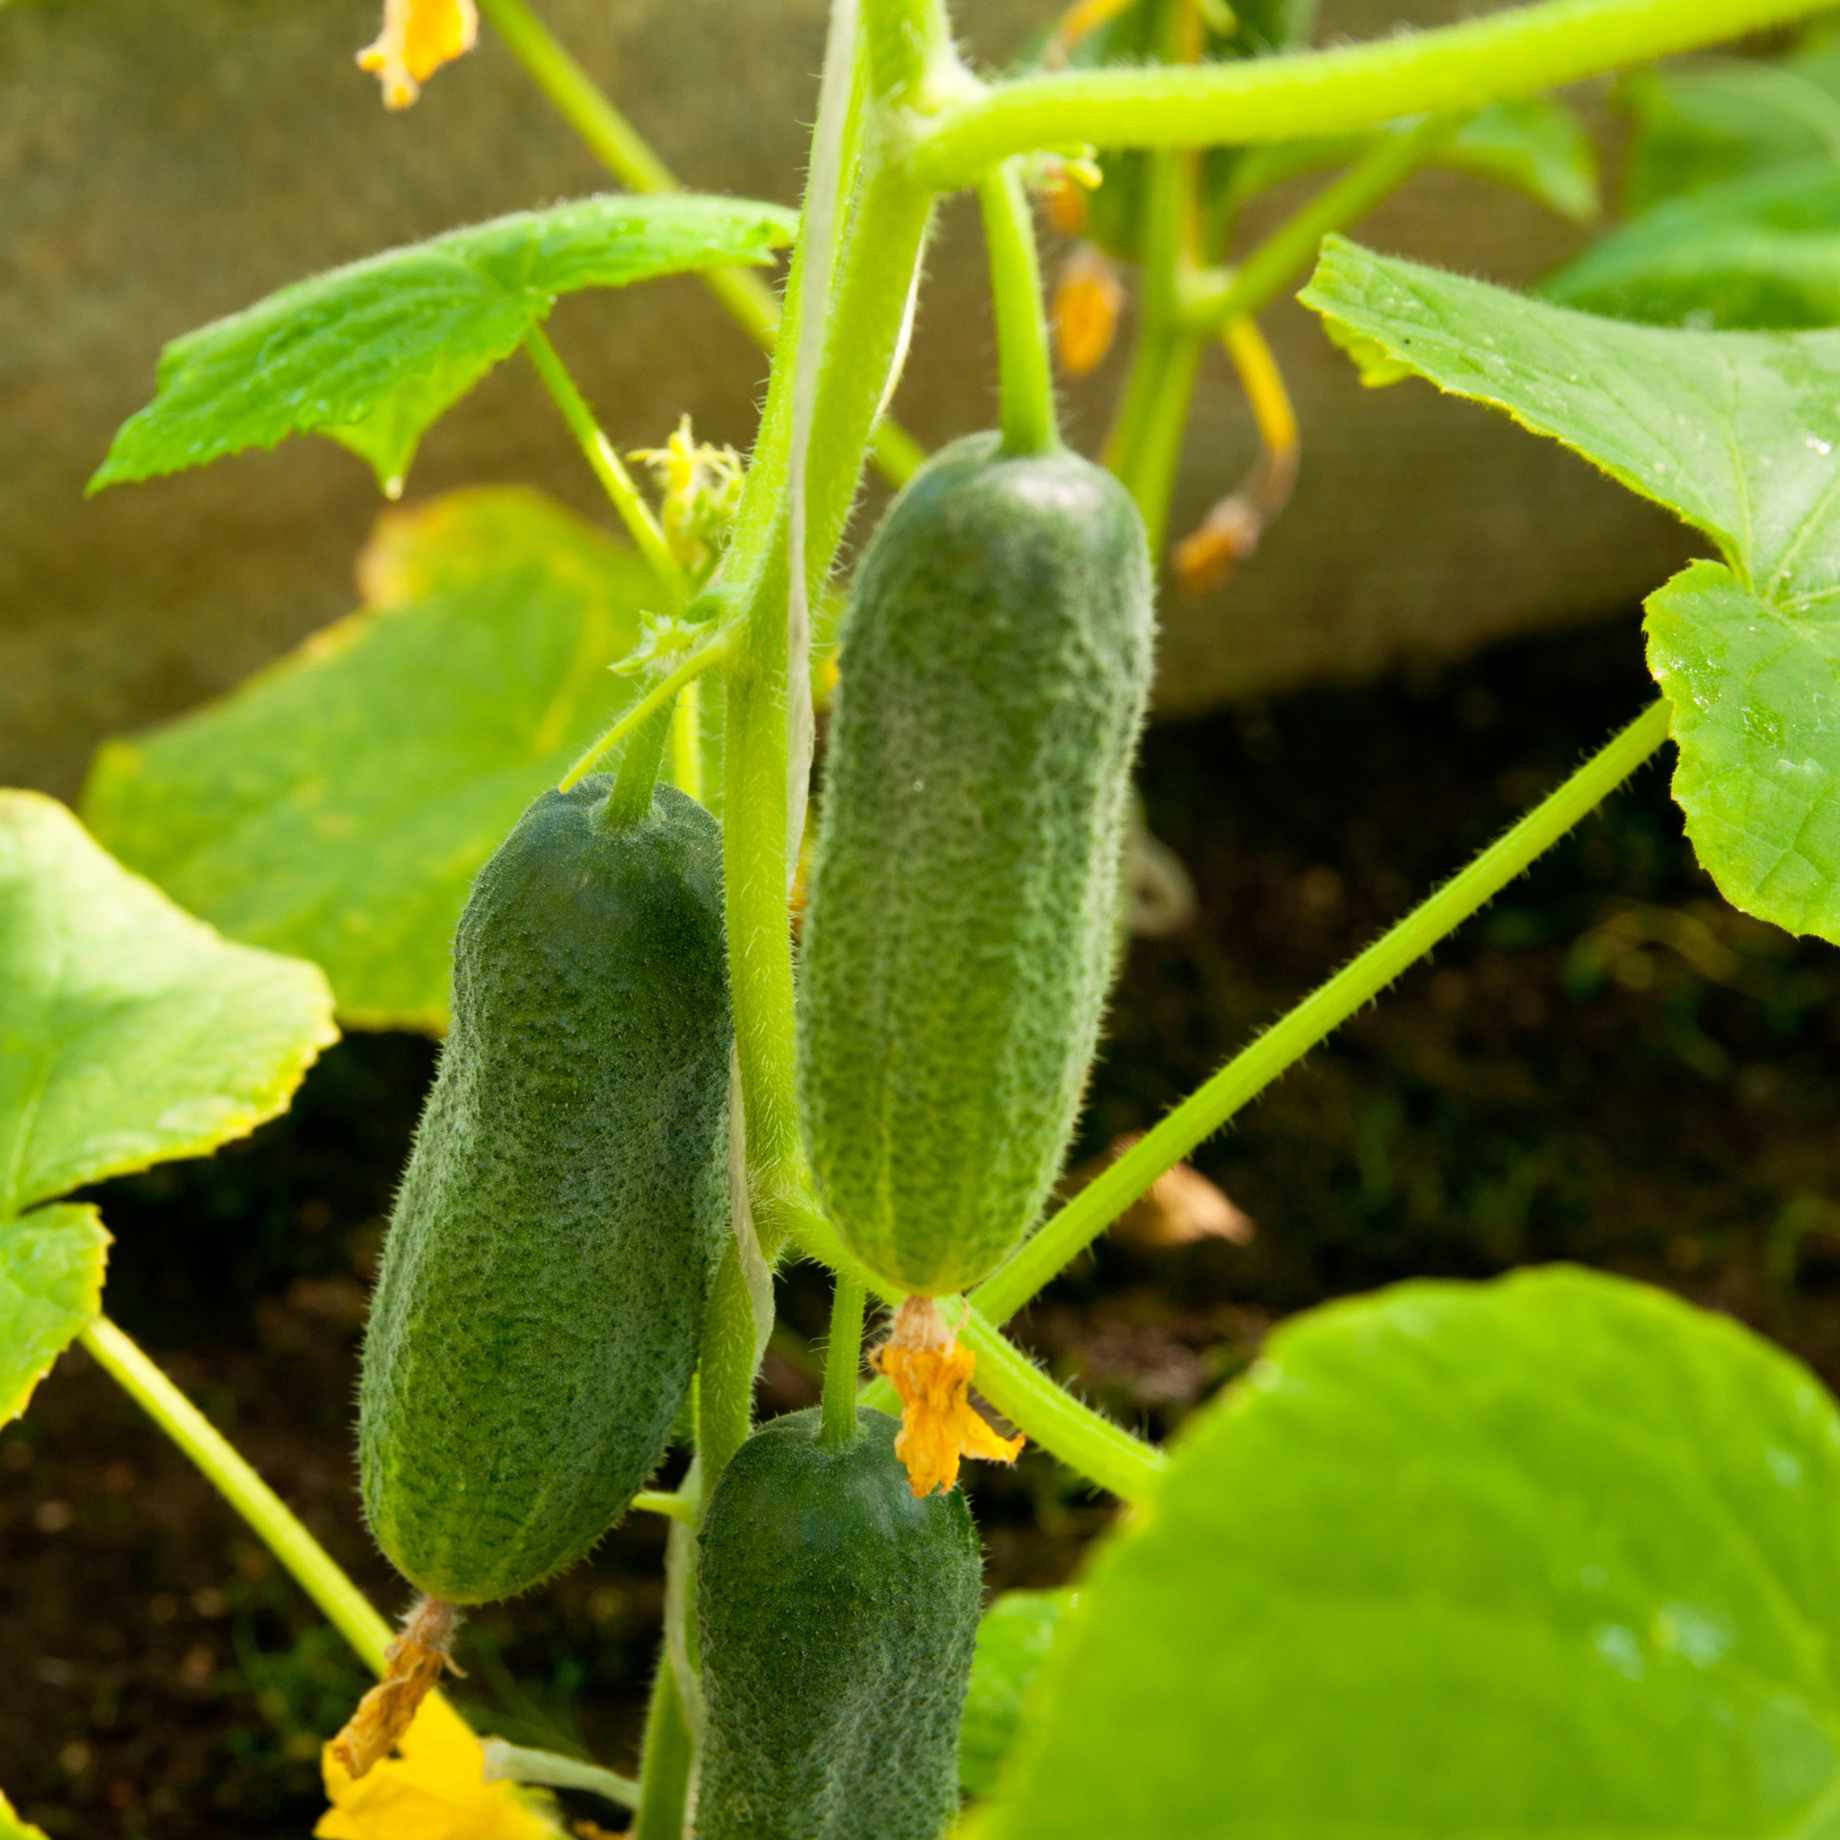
column 963, row 911
column 537, row 1316
column 838, row 1616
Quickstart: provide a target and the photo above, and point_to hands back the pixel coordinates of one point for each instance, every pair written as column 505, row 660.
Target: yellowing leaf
column 51, row 1266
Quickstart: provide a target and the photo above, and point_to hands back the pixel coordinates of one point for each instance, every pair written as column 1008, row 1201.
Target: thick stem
column 666, row 1762
column 613, row 140
column 1520, row 51
column 1288, row 1040
column 843, row 1360
column 1211, row 301
column 606, row 465
column 1151, row 480
column 1025, row 366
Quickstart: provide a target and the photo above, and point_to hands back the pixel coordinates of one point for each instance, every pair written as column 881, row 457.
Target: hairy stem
column 665, row 1763
column 843, row 1360
column 1288, row 1040
column 606, row 465
column 507, row 1762
column 1519, row 51
column 635, row 780
column 1025, row 367
column 314, row 1569
column 619, row 146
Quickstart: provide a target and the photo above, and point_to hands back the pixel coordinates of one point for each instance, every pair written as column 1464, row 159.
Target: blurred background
column 1610, row 1065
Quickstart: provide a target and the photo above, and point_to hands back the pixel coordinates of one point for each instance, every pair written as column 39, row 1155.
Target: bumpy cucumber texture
column 838, row 1618
column 964, row 896
column 536, row 1319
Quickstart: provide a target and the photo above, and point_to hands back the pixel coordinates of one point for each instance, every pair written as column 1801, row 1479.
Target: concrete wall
column 165, row 161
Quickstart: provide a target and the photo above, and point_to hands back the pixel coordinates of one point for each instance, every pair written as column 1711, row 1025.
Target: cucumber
column 838, row 1616
column 964, row 898
column 541, row 1298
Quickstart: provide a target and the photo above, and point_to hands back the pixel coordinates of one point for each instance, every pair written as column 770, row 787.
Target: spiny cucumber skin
column 960, row 932
column 838, row 1620
column 541, row 1298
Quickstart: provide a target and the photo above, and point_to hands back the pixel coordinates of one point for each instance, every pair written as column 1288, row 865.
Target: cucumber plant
column 1545, row 1555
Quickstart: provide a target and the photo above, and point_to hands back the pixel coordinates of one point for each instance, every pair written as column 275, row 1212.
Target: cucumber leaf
column 130, row 1033
column 1737, row 433
column 373, row 353
column 339, row 804
column 1713, row 120
column 51, row 1266
column 1548, row 1556
column 1761, row 252
column 1539, row 147
column 1013, row 1641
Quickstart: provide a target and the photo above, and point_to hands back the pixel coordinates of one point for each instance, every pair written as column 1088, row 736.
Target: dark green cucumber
column 838, row 1617
column 538, row 1312
column 961, row 927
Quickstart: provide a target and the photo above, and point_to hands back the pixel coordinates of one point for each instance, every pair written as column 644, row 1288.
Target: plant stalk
column 843, row 1360
column 1068, row 1233
column 1025, row 367
column 1520, row 51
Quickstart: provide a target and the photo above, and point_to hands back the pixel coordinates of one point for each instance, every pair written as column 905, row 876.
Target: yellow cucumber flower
column 418, row 37
column 939, row 1424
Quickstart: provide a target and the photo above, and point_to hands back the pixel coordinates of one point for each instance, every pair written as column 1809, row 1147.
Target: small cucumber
column 964, row 901
column 838, row 1617
column 537, row 1316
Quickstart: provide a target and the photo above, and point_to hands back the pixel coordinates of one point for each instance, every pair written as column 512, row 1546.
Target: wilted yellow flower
column 939, row 1425
column 1086, row 307
column 418, row 37
column 434, row 1790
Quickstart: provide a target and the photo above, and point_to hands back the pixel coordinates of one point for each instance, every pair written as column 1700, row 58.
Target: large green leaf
column 373, row 353
column 1762, row 252
column 339, row 804
column 51, row 1266
column 1013, row 1641
column 130, row 1032
column 1735, row 431
column 1550, row 1557
column 1705, row 123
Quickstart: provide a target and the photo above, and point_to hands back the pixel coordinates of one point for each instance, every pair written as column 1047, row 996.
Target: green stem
column 713, row 651
column 870, row 302
column 843, row 1360
column 506, row 1762
column 666, row 1763
column 1287, row 1041
column 599, row 452
column 1152, row 478
column 1211, row 300
column 673, row 1507
column 1089, row 1445
column 224, row 1466
column 909, row 42
column 635, row 780
column 725, row 1371
column 613, row 140
column 1024, row 364
column 1519, row 51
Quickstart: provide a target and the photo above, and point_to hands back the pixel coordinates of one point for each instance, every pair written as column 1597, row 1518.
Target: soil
column 1608, row 1066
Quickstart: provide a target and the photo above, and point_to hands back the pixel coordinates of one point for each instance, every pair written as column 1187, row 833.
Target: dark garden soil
column 1608, row 1066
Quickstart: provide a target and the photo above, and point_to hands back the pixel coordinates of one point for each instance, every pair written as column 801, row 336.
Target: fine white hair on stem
column 818, row 239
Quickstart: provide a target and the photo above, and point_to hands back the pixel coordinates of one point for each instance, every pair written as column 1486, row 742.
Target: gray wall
column 165, row 161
